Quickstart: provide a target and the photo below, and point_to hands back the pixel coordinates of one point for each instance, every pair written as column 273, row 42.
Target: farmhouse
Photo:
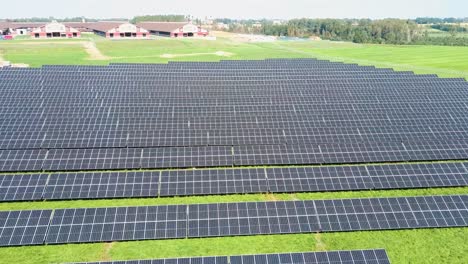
column 118, row 30
column 55, row 30
column 174, row 29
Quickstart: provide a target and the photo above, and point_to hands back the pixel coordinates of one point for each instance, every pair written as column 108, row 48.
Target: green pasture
column 445, row 61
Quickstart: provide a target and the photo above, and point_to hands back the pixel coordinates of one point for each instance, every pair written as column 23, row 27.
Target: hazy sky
column 236, row 8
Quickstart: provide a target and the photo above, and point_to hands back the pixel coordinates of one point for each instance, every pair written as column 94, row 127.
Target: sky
column 256, row 9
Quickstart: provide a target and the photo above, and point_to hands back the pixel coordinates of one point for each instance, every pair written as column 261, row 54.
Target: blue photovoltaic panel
column 22, row 187
column 194, row 260
column 101, row 185
column 252, row 218
column 24, row 227
column 270, row 112
column 205, row 182
column 374, row 256
column 95, row 185
column 117, row 223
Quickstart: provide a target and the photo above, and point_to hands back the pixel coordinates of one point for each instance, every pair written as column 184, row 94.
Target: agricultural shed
column 174, row 29
column 116, row 30
column 55, row 30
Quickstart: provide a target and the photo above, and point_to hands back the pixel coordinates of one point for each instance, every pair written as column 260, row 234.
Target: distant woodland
column 384, row 31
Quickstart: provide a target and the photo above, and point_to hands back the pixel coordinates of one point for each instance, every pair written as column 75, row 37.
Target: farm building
column 80, row 26
column 174, row 29
column 118, row 30
column 18, row 29
column 55, row 30
column 4, row 27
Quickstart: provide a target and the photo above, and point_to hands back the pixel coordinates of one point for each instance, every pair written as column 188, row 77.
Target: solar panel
column 23, row 227
column 22, row 187
column 21, row 160
column 114, row 224
column 374, row 256
column 194, row 260
column 390, row 176
column 418, row 175
column 123, row 116
column 101, row 185
column 252, row 218
column 95, row 185
column 223, row 181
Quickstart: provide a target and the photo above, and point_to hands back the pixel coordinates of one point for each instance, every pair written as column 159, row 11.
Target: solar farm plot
column 63, row 226
column 375, row 256
column 137, row 184
column 220, row 156
column 272, row 112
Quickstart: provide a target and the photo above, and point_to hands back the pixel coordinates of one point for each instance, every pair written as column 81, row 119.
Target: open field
column 444, row 245
column 441, row 60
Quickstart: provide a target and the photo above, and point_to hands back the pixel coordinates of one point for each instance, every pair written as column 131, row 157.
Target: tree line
column 384, row 31
column 437, row 20
column 160, row 18
column 68, row 19
column 450, row 28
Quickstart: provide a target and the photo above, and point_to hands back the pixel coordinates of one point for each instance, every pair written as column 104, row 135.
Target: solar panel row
column 227, row 113
column 180, row 138
column 230, row 219
column 218, row 156
column 95, row 185
column 369, row 256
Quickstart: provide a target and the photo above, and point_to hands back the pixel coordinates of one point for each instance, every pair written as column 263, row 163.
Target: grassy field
column 442, row 60
column 403, row 246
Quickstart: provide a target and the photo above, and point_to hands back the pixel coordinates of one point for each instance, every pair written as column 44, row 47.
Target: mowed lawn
column 442, row 60
column 445, row 61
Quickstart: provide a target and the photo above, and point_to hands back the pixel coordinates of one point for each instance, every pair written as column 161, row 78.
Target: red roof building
column 55, row 30
column 174, row 29
column 116, row 30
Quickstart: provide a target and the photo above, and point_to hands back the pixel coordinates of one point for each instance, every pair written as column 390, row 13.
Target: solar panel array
column 95, row 185
column 229, row 113
column 230, row 219
column 374, row 256
column 178, row 129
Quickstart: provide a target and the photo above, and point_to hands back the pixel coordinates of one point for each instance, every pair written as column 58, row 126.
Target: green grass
column 442, row 60
column 37, row 55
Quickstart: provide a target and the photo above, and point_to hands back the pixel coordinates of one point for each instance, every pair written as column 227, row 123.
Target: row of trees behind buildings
column 385, row 31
